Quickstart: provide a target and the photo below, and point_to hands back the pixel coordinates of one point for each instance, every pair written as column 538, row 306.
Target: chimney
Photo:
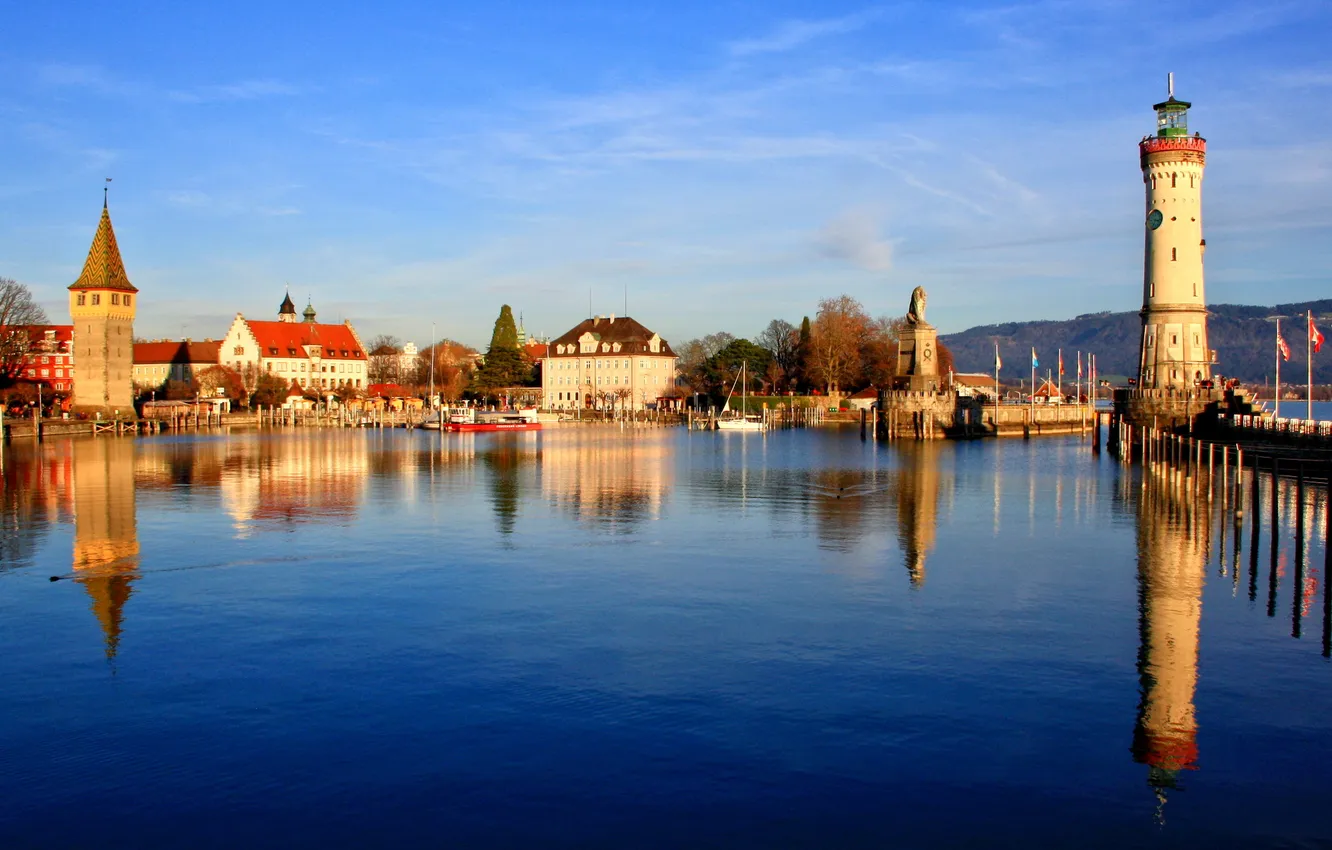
column 612, row 318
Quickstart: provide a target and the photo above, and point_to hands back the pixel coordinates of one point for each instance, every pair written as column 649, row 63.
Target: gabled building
column 49, row 360
column 102, row 303
column 307, row 353
column 605, row 362
column 157, row 362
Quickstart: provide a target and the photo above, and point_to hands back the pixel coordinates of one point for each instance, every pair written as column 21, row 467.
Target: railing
column 1274, row 425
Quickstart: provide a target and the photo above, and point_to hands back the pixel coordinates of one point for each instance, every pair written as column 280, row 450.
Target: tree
column 836, row 337
column 269, row 390
column 207, row 383
column 505, row 334
column 802, row 355
column 782, row 340
column 17, row 311
column 724, row 367
column 384, row 360
column 693, row 359
column 505, row 365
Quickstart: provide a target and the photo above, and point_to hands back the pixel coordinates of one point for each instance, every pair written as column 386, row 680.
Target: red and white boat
column 472, row 419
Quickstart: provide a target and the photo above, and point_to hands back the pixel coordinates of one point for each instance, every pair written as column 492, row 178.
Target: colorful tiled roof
column 288, row 339
column 103, row 269
column 631, row 335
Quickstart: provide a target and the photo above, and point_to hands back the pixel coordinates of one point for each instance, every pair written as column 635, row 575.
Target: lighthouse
column 1174, row 353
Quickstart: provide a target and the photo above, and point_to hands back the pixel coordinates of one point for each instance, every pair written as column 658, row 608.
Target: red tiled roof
column 176, row 352
column 288, row 339
column 386, row 391
column 868, row 392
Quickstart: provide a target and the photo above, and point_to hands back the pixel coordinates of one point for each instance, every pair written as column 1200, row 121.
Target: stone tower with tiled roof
column 102, row 303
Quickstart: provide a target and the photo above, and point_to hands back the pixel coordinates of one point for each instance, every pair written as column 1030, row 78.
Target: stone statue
column 916, row 312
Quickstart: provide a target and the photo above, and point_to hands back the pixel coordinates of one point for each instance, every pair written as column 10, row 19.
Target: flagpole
column 1308, row 393
column 996, row 387
column 1276, row 393
column 1060, row 364
column 1032, row 397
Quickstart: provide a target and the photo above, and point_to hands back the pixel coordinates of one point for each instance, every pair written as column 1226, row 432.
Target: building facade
column 1174, row 350
column 604, row 363
column 160, row 361
column 102, row 303
column 49, row 361
column 313, row 355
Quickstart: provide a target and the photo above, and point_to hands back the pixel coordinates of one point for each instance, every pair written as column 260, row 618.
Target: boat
column 433, row 422
column 472, row 420
column 731, row 420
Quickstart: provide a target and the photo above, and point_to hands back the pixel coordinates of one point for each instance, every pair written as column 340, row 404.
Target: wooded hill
column 1243, row 336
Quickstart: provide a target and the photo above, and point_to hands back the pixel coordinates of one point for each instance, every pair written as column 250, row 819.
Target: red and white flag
column 1315, row 336
column 1061, row 362
column 1282, row 348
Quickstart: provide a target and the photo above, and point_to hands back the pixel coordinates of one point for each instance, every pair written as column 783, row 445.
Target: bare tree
column 836, row 339
column 384, row 360
column 17, row 312
column 782, row 339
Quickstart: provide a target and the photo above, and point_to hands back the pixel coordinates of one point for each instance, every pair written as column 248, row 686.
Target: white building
column 605, row 362
column 313, row 355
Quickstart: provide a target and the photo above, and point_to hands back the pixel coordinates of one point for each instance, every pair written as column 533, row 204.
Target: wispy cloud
column 244, row 90
column 789, row 35
column 855, row 237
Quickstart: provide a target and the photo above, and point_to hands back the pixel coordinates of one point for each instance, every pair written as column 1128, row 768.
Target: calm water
column 594, row 638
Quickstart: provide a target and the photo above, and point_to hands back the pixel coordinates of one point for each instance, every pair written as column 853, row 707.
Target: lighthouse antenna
column 1170, row 84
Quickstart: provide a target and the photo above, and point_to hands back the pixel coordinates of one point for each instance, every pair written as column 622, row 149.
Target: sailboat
column 744, row 420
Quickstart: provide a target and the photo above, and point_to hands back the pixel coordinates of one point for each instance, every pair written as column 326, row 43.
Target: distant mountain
column 1243, row 337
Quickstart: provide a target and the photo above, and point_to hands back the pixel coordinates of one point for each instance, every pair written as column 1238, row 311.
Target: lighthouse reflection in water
column 602, row 637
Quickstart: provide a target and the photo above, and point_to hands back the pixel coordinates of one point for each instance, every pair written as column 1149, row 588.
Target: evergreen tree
column 506, row 332
column 504, row 365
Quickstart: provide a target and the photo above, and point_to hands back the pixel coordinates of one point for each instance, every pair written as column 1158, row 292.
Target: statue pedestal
column 918, row 359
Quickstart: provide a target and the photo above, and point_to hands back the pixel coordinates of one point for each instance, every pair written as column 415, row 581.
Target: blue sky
column 726, row 163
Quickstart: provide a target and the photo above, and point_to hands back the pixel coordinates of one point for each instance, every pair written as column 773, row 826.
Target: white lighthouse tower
column 1175, row 354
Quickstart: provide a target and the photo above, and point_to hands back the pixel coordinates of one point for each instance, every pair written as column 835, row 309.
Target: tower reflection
column 918, row 487
column 106, row 540
column 1172, row 559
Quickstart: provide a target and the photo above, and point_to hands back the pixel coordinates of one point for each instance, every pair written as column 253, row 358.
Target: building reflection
column 1172, row 538
column 266, row 481
column 612, row 483
column 35, row 494
column 106, row 539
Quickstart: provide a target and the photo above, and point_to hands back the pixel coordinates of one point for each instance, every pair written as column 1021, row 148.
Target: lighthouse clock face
column 1154, row 219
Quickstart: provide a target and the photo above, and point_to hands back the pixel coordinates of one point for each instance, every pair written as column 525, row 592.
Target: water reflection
column 1172, row 536
column 35, row 493
column 106, row 538
column 615, row 484
column 918, row 485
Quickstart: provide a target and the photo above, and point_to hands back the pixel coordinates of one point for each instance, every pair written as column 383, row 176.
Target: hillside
column 1242, row 336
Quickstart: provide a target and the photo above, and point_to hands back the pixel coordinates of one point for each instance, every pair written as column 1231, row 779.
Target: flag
column 1315, row 335
column 1061, row 362
column 998, row 364
column 1079, row 365
column 1035, row 364
column 1282, row 348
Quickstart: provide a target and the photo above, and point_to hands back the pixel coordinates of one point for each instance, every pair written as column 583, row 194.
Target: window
column 115, row 298
column 1174, row 254
column 97, row 299
column 240, row 349
column 1151, row 291
column 127, row 300
column 1174, row 339
column 82, row 299
column 1173, row 179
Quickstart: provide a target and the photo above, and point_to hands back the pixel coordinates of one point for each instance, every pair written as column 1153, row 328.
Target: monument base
column 917, row 359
